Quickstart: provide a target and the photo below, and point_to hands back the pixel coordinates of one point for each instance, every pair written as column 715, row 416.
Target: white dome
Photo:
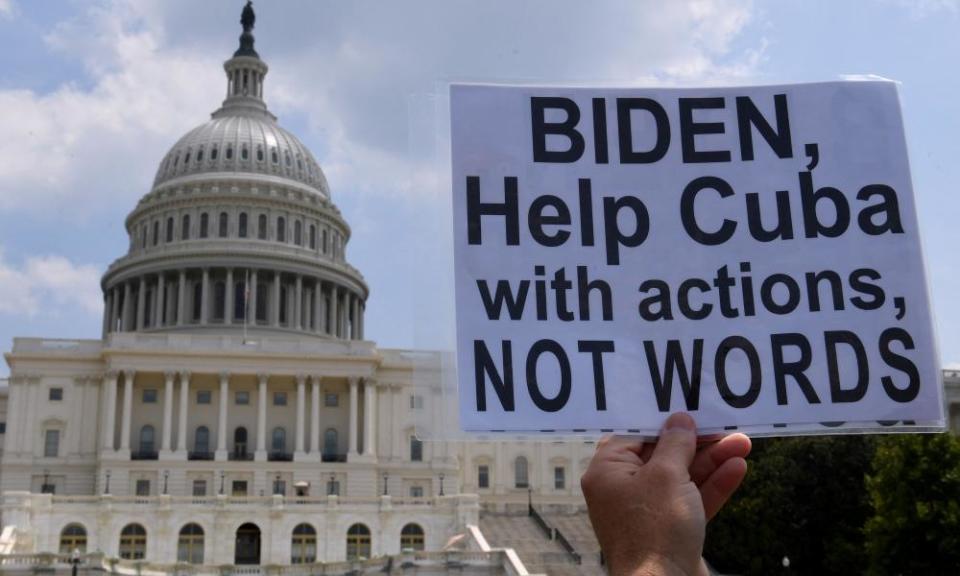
column 244, row 143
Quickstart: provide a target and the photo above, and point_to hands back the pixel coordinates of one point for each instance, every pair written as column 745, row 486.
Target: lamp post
column 222, row 474
column 441, row 483
column 333, row 478
column 106, row 486
column 276, row 484
column 386, row 479
column 166, row 476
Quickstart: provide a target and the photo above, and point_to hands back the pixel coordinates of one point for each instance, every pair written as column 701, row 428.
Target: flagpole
column 246, row 303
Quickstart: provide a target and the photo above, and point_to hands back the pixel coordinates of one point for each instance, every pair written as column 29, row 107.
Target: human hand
column 649, row 502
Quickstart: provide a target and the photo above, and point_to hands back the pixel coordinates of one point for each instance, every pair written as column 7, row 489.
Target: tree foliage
column 915, row 492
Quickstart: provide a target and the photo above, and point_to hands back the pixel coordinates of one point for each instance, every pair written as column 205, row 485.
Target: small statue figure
column 247, row 17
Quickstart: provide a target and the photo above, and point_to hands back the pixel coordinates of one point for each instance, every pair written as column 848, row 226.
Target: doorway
column 247, row 545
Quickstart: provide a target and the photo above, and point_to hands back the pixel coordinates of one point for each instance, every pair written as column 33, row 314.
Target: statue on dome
column 247, row 17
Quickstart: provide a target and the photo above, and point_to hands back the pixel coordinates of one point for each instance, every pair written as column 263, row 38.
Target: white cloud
column 49, row 285
column 6, row 8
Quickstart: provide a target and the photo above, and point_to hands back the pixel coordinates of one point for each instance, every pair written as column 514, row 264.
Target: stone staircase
column 539, row 553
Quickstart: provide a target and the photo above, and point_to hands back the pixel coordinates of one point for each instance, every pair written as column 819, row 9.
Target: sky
column 94, row 92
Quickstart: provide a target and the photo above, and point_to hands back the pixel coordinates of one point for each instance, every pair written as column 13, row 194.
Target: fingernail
column 680, row 420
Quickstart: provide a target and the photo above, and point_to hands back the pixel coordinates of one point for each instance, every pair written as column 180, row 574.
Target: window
column 261, row 302
column 416, row 491
column 333, row 488
column 199, row 487
column 200, row 155
column 279, row 398
column 213, row 152
column 133, row 542
column 559, row 478
column 331, row 400
column 238, row 488
column 416, row 449
column 259, row 153
column 73, row 537
column 323, row 240
column 241, row 398
column 201, row 440
column 416, row 402
column 240, row 441
column 197, row 300
column 48, row 488
column 51, row 444
column 313, row 237
column 55, row 394
column 190, row 544
column 298, row 233
column 281, row 229
column 412, row 538
column 273, row 155
column 219, row 300
column 278, row 440
column 186, row 159
column 330, row 442
column 284, row 295
column 303, row 549
column 143, row 487
column 204, row 225
column 262, row 227
column 3, row 427
column 520, row 476
column 169, row 230
column 156, row 233
column 185, row 227
column 240, row 300
column 279, row 487
column 204, row 396
column 244, row 153
column 222, row 225
column 229, row 152
column 147, row 439
column 150, row 396
column 242, row 225
column 358, row 542
column 483, row 476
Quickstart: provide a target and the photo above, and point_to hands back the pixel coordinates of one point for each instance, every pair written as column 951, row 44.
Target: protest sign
column 748, row 255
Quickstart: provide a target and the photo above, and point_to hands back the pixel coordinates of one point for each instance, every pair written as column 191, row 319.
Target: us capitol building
column 234, row 416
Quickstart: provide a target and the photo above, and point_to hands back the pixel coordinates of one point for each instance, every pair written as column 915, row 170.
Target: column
column 221, row 453
column 128, row 376
column 298, row 304
column 110, row 412
column 182, row 298
column 261, row 453
column 158, row 315
column 276, row 299
column 182, row 421
column 167, row 412
column 204, row 296
column 369, row 417
column 228, row 301
column 299, row 452
column 315, row 417
column 352, row 432
column 317, row 300
column 107, row 297
column 141, row 303
column 361, row 306
column 334, row 315
column 115, row 309
column 251, row 309
column 125, row 323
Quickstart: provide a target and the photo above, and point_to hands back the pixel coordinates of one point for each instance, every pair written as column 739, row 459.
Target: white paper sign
column 748, row 255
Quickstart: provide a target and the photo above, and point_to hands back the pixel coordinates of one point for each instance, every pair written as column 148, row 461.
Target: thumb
column 677, row 444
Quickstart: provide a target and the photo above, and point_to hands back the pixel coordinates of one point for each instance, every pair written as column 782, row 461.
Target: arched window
column 147, row 439
column 281, row 229
column 200, row 155
column 190, row 544
column 521, row 478
column 204, row 225
column 330, row 442
column 143, row 237
column 274, row 157
column 169, row 230
column 298, row 233
column 73, row 537
column 313, row 237
column 259, row 153
column 358, row 542
column 242, row 226
column 278, row 440
column 286, row 158
column 197, row 300
column 133, row 542
column 185, row 227
column 244, row 153
column 261, row 302
column 411, row 538
column 201, row 440
column 240, row 300
column 156, row 233
column 303, row 549
column 229, row 153
column 213, row 152
column 186, row 159
column 262, row 227
column 219, row 300
column 222, row 229
column 240, row 441
column 176, row 160
column 416, row 449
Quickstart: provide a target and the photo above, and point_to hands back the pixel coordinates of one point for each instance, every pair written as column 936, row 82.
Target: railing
column 201, row 455
column 555, row 534
column 334, row 457
column 144, row 455
column 571, row 551
column 539, row 521
column 240, row 456
column 278, row 456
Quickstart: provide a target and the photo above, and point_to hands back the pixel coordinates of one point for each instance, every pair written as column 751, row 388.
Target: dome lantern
column 245, row 73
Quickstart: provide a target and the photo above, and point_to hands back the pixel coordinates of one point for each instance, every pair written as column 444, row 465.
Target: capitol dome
column 238, row 232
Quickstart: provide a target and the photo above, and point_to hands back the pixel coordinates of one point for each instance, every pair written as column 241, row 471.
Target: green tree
column 915, row 491
column 804, row 499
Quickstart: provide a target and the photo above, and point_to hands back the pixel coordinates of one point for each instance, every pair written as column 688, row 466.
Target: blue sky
column 92, row 93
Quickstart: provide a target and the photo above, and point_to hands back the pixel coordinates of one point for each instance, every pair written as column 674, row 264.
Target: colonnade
column 294, row 301
column 302, row 449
